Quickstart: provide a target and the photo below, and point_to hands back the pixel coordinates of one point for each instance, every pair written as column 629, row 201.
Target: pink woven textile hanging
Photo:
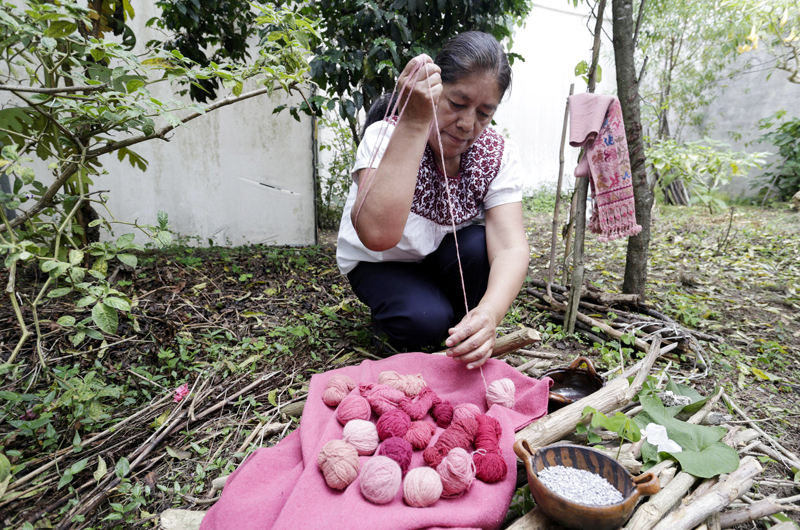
column 281, row 487
column 596, row 125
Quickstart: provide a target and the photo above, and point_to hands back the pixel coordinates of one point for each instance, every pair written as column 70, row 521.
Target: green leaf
column 122, row 468
column 105, row 318
column 66, row 321
column 60, row 29
column 128, row 259
column 101, row 470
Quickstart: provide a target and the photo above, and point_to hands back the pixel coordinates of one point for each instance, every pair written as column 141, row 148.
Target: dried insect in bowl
column 572, row 514
column 572, row 383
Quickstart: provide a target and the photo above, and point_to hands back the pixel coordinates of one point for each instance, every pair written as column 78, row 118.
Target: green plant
column 783, row 179
column 332, row 189
column 703, row 166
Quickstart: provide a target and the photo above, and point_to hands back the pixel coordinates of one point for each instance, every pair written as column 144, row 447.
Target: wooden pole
column 554, row 237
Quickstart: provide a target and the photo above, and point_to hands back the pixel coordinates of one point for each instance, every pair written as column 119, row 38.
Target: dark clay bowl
column 572, row 383
column 578, row 516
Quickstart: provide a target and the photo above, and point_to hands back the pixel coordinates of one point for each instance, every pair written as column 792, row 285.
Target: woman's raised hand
column 424, row 93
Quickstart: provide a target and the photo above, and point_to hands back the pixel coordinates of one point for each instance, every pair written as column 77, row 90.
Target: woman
column 395, row 242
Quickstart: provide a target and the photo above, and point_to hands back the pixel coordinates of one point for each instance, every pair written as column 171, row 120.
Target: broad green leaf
column 105, row 318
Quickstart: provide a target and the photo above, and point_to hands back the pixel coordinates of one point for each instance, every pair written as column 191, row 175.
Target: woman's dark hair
column 474, row 52
column 466, row 54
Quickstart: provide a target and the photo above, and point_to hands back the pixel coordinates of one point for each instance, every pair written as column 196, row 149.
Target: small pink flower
column 181, row 392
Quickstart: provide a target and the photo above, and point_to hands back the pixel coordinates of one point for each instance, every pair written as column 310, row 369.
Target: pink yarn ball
column 339, row 464
column 382, row 398
column 419, row 434
column 410, row 385
column 422, row 487
column 501, row 392
column 362, row 435
column 339, row 385
column 353, row 407
column 393, row 423
column 399, row 450
column 380, row 479
column 465, row 410
column 457, row 472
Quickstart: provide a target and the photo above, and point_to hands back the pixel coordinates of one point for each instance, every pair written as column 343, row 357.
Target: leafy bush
column 703, row 166
column 784, row 178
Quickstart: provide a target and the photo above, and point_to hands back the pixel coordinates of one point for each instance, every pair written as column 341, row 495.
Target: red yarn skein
column 393, row 423
column 418, row 407
column 399, row 450
column 382, row 398
column 490, row 466
column 420, row 433
column 461, row 433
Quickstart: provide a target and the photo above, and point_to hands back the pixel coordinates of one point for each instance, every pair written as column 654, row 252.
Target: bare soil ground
column 219, row 318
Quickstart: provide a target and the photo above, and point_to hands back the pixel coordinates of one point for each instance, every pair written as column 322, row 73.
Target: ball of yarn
column 380, row 479
column 442, row 412
column 353, row 407
column 339, row 385
column 457, row 472
column 422, row 487
column 410, row 385
column 382, row 398
column 490, row 466
column 339, row 464
column 501, row 392
column 393, row 423
column 419, row 434
column 399, row 450
column 465, row 410
column 362, row 435
column 461, row 434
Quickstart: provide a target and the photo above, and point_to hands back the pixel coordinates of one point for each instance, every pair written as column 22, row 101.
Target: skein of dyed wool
column 501, row 392
column 422, row 487
column 399, row 450
column 461, row 434
column 393, row 423
column 337, row 388
column 362, row 435
column 457, row 472
column 382, row 398
column 490, row 466
column 353, row 407
column 410, row 385
column 419, row 434
column 380, row 479
column 465, row 410
column 339, row 464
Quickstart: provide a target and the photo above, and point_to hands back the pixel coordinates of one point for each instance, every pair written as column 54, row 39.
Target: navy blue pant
column 415, row 304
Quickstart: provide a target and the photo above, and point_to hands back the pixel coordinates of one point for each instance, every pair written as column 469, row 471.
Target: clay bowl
column 578, row 516
column 572, row 383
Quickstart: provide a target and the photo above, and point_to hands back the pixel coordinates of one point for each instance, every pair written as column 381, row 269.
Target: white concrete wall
column 235, row 176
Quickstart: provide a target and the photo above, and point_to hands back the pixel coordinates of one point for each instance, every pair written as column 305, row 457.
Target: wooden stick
column 554, row 237
column 720, row 496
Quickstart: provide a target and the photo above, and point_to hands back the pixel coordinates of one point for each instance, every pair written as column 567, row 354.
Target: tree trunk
column 628, row 90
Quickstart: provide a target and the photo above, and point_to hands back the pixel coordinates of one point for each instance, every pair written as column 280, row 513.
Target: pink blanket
column 596, row 125
column 281, row 487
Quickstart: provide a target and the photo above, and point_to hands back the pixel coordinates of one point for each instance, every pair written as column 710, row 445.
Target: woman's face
column 465, row 108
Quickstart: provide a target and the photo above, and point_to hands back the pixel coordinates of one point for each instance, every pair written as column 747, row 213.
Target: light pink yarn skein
column 501, row 392
column 410, row 385
column 457, row 472
column 339, row 464
column 380, row 480
column 339, row 385
column 362, row 435
column 422, row 487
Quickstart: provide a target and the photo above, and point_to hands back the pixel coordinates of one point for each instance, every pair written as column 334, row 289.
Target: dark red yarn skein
column 461, row 433
column 490, row 466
